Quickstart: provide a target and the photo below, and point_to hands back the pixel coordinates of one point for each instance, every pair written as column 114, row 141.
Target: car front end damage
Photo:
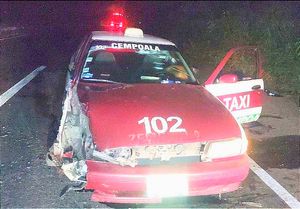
column 144, row 173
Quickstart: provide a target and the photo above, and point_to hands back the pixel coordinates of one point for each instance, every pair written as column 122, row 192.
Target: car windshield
column 113, row 62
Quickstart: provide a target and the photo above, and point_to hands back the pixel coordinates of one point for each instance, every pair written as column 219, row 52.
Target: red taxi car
column 137, row 126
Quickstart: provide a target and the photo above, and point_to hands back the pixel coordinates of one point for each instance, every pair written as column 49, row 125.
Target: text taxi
column 137, row 126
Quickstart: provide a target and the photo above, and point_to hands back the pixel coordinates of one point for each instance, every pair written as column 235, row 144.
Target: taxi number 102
column 161, row 125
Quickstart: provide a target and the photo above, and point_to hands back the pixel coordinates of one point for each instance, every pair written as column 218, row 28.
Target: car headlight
column 121, row 152
column 226, row 148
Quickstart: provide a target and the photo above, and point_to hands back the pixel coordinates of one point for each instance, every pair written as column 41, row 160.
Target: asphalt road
column 27, row 124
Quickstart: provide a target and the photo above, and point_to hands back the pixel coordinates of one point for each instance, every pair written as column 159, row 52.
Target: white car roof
column 110, row 36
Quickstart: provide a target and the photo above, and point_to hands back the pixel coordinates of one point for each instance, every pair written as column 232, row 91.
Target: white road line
column 13, row 90
column 12, row 37
column 291, row 201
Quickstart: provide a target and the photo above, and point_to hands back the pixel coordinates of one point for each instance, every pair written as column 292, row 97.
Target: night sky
column 66, row 23
column 156, row 18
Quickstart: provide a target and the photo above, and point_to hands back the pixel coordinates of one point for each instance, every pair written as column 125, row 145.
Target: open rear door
column 236, row 83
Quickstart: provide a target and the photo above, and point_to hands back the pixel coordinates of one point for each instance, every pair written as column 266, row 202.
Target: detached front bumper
column 117, row 184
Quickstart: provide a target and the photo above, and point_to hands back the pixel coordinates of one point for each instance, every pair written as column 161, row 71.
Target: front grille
column 169, row 154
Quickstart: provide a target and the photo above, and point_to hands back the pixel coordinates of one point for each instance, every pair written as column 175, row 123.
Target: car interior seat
column 104, row 66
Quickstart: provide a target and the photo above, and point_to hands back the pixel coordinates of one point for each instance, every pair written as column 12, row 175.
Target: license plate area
column 167, row 185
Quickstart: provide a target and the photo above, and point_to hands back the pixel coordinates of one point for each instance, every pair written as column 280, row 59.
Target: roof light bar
column 134, row 32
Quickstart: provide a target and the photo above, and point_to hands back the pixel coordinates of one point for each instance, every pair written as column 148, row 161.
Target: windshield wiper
column 102, row 81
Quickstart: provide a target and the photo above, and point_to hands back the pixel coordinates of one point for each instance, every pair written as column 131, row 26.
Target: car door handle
column 256, row 87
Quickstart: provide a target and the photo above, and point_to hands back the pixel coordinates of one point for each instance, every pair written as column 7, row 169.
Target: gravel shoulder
column 275, row 141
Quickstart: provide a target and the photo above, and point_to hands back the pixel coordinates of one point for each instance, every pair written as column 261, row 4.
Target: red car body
column 115, row 107
column 118, row 115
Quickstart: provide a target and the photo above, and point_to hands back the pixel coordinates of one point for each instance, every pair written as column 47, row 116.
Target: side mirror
column 195, row 70
column 228, row 78
column 72, row 63
column 71, row 66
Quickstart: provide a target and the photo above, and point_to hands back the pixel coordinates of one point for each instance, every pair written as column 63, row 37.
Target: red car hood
column 114, row 112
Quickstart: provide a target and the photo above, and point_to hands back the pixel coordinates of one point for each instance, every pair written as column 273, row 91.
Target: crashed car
column 137, row 126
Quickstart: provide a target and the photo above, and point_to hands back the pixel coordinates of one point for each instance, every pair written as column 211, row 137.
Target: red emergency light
column 116, row 22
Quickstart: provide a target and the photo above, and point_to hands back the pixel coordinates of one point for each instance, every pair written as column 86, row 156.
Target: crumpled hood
column 117, row 115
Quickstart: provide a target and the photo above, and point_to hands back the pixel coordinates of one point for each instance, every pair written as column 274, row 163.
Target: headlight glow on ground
column 167, row 185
